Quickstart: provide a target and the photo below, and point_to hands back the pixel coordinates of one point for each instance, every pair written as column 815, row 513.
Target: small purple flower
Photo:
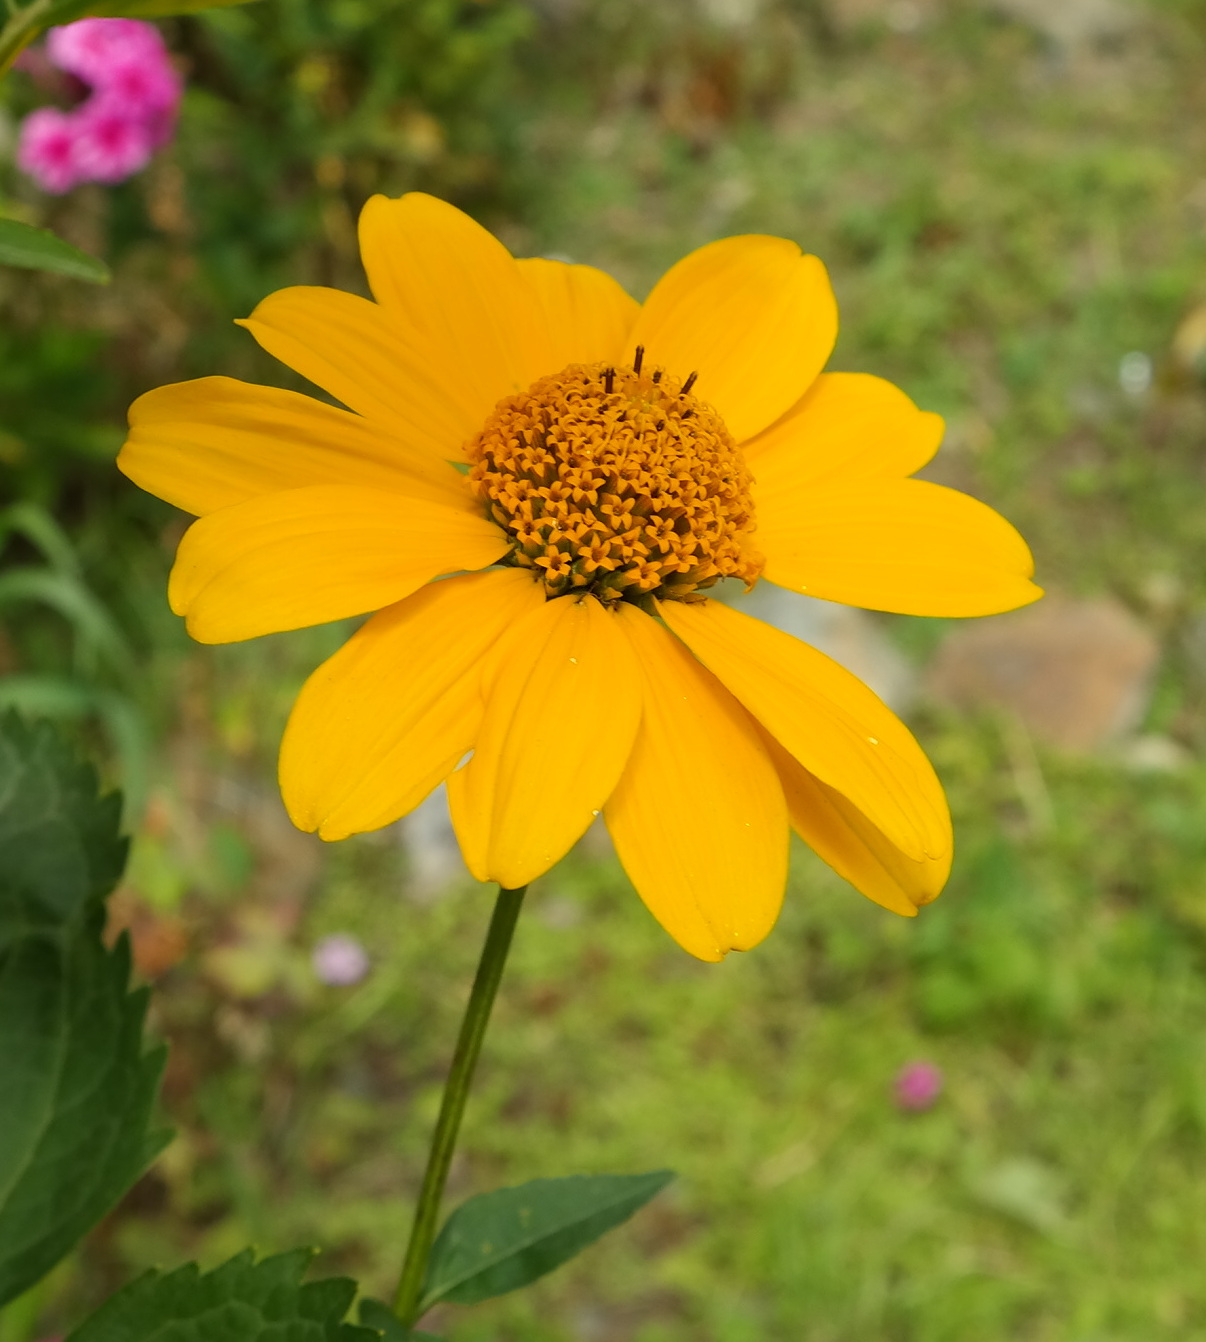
column 340, row 960
column 130, row 112
column 917, row 1085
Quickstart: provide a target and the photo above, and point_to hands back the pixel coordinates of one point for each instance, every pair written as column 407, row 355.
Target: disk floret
column 617, row 481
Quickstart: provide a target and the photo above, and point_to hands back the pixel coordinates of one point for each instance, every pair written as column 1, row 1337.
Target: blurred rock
column 1078, row 674
column 1071, row 25
column 1152, row 754
column 899, row 16
column 848, row 635
column 430, row 843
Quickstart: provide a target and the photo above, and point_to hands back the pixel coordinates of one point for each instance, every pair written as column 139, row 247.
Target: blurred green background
column 1011, row 199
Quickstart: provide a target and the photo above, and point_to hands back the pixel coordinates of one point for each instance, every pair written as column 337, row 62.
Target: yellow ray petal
column 842, row 836
column 824, row 717
column 902, row 545
column 306, row 556
column 456, row 295
column 698, row 817
column 357, row 352
column 588, row 316
column 562, row 707
column 206, row 444
column 390, row 715
column 849, row 426
column 752, row 316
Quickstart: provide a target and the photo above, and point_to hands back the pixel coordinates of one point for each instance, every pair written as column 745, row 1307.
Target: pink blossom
column 130, row 112
column 918, row 1085
column 46, row 149
column 110, row 145
column 93, row 48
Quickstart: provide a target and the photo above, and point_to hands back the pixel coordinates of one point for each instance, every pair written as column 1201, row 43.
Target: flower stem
column 21, row 29
column 452, row 1107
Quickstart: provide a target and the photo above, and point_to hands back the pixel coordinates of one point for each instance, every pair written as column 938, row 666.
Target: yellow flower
column 535, row 484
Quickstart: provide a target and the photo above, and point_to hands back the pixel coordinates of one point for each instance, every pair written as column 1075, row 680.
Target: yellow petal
column 902, row 545
column 562, row 706
column 306, row 556
column 388, row 718
column 357, row 352
column 826, row 719
column 849, row 426
column 752, row 316
column 698, row 818
column 842, row 836
column 588, row 316
column 206, row 444
column 457, row 296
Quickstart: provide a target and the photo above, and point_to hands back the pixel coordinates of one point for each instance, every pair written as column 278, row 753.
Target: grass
column 1003, row 223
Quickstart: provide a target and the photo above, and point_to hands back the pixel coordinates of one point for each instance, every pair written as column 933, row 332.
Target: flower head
column 109, row 145
column 130, row 112
column 46, row 149
column 340, row 960
column 538, row 486
column 917, row 1085
column 94, row 49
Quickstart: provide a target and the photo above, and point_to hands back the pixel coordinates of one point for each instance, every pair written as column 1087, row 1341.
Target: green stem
column 21, row 30
column 452, row 1107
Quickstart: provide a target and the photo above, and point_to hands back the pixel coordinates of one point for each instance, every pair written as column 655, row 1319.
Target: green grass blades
column 500, row 1241
column 241, row 1301
column 79, row 1088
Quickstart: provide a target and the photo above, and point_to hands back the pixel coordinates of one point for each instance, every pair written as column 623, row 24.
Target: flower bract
column 549, row 499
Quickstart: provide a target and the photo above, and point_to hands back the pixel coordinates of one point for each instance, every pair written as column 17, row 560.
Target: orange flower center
column 617, row 481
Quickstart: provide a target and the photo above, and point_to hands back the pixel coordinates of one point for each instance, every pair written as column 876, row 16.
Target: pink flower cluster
column 129, row 113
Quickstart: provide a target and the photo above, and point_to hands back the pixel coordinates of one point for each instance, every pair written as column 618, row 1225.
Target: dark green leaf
column 78, row 1091
column 39, row 249
column 60, row 851
column 373, row 1314
column 241, row 1301
column 68, row 10
column 77, row 1097
column 498, row 1242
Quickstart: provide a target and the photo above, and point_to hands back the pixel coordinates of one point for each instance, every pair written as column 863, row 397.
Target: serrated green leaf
column 78, row 1095
column 60, row 849
column 241, row 1301
column 500, row 1241
column 39, row 249
column 382, row 1319
column 78, row 1092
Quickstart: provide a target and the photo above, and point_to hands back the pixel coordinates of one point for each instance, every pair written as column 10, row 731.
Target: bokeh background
column 1011, row 199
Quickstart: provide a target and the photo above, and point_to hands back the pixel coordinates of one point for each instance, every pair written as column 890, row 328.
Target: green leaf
column 39, row 249
column 75, row 1106
column 375, row 1315
column 498, row 1242
column 69, row 10
column 60, row 850
column 241, row 1301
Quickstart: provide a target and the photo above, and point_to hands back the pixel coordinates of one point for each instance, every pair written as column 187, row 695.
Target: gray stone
column 1071, row 25
column 1077, row 674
